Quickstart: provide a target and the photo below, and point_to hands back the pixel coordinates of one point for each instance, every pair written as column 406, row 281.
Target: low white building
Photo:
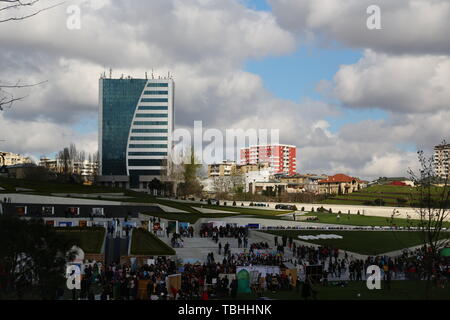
column 11, row 159
column 253, row 177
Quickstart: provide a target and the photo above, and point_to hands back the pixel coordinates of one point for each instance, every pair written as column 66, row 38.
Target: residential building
column 339, row 184
column 253, row 167
column 253, row 178
column 226, row 168
column 136, row 120
column 312, row 182
column 280, row 157
column 11, row 159
column 274, row 187
column 86, row 169
column 441, row 161
column 53, row 165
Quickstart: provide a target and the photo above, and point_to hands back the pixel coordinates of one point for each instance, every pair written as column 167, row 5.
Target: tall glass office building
column 135, row 130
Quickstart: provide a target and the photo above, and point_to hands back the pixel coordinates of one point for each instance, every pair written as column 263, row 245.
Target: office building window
column 148, row 130
column 154, row 100
column 144, row 146
column 152, row 108
column 155, row 92
column 150, row 123
column 158, row 85
column 151, row 115
column 148, row 138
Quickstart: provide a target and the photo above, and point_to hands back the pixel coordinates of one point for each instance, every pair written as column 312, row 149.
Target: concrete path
column 382, row 211
column 37, row 199
column 207, row 210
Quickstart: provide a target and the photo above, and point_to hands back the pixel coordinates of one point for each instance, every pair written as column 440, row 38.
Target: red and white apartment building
column 280, row 157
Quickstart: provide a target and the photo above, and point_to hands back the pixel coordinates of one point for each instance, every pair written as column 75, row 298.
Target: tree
column 155, row 184
column 13, row 10
column 433, row 210
column 33, row 258
column 190, row 184
column 64, row 160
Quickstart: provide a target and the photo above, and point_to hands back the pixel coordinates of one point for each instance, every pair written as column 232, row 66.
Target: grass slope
column 146, row 243
column 400, row 290
column 88, row 239
column 363, row 242
column 360, row 220
column 391, row 195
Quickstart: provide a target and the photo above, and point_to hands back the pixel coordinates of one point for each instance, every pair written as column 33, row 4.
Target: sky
column 353, row 100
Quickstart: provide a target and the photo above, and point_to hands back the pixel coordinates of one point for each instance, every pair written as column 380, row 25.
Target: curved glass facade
column 120, row 98
column 135, row 129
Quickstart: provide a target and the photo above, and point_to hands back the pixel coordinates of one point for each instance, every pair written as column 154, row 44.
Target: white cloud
column 408, row 26
column 395, row 83
column 204, row 44
column 37, row 137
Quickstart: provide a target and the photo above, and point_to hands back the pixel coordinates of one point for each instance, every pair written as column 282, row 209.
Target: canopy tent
column 445, row 252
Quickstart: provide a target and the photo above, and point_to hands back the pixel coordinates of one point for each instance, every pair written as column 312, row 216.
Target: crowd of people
column 116, row 228
column 227, row 231
column 177, row 240
column 216, row 279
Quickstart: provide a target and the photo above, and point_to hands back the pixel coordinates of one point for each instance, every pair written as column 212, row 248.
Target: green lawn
column 363, row 242
column 389, row 194
column 146, row 243
column 188, row 217
column 51, row 187
column 245, row 210
column 88, row 239
column 360, row 220
column 400, row 290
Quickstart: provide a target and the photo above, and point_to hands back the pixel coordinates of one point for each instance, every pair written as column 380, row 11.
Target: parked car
column 286, row 207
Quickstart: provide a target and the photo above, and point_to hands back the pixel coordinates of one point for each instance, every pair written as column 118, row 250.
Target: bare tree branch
column 19, row 4
column 17, row 85
column 7, row 98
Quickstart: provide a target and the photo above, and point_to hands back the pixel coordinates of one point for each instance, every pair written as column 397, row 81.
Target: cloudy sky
column 352, row 100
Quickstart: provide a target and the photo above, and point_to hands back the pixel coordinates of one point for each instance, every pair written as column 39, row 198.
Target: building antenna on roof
column 110, row 73
column 146, row 78
column 153, row 76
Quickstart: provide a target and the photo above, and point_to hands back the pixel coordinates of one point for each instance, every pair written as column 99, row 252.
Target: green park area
column 187, row 216
column 49, row 187
column 74, row 190
column 246, row 210
column 357, row 290
column 88, row 239
column 363, row 220
column 362, row 242
column 146, row 243
column 384, row 195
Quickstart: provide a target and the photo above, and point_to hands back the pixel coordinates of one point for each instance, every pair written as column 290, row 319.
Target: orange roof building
column 339, row 184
